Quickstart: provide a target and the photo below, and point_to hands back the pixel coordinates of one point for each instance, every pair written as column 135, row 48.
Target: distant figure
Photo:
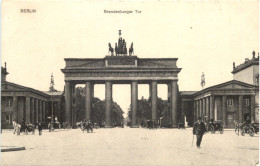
column 15, row 126
column 40, row 128
column 49, row 126
column 247, row 122
column 199, row 129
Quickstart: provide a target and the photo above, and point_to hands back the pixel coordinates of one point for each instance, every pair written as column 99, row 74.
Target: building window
column 9, row 119
column 9, row 103
column 230, row 102
column 246, row 102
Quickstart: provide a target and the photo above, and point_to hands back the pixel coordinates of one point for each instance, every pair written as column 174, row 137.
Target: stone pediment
column 12, row 87
column 233, row 85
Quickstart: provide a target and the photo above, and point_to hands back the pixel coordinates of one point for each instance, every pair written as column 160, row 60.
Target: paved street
column 129, row 146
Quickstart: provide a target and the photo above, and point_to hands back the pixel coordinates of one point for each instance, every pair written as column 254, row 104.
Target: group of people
column 26, row 127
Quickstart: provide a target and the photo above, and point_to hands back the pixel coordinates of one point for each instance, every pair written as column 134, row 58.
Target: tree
column 144, row 109
column 97, row 110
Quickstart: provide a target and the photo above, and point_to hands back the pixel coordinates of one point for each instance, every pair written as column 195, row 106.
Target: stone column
column 74, row 116
column 240, row 108
column 154, row 100
column 58, row 111
column 36, row 111
column 15, row 113
column 108, row 95
column 207, row 107
column 169, row 101
column 212, row 106
column 40, row 110
column 44, row 111
column 88, row 97
column 134, row 98
column 52, row 109
column 92, row 91
column 224, row 109
column 182, row 120
column 198, row 109
column 150, row 91
column 27, row 108
column 174, row 96
column 32, row 112
column 204, row 106
column 252, row 104
column 194, row 110
column 67, row 114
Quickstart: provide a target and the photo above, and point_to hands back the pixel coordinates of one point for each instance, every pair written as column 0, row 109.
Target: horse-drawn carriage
column 256, row 127
column 53, row 125
column 23, row 128
column 152, row 124
column 213, row 126
column 30, row 128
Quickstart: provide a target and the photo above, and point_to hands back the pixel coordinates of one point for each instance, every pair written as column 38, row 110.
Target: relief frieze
column 123, row 74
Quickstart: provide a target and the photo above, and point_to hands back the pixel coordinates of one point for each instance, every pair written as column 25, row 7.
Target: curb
column 11, row 148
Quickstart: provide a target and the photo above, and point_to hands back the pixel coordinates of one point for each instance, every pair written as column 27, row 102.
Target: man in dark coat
column 40, row 128
column 199, row 129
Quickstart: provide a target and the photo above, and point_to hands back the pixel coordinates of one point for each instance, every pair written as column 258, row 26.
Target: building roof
column 21, row 88
column 246, row 64
column 182, row 93
column 53, row 93
column 24, row 88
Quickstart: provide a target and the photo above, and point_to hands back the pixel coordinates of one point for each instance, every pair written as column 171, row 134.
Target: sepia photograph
column 129, row 83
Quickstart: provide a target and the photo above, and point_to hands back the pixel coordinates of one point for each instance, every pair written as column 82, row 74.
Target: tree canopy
column 97, row 109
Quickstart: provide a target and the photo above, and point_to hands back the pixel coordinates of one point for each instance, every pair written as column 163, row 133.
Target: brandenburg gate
column 120, row 69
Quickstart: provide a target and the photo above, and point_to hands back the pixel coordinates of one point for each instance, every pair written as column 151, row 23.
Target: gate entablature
column 121, row 68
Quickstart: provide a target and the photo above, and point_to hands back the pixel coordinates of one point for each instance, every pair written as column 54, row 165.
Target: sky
column 205, row 36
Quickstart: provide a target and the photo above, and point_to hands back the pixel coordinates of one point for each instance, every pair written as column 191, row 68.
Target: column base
column 134, row 127
column 174, row 126
column 108, row 127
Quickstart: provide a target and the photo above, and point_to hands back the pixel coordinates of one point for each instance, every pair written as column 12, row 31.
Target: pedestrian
column 199, row 130
column 40, row 128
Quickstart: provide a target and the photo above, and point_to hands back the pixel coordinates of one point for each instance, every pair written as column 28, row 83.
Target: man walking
column 199, row 129
column 40, row 129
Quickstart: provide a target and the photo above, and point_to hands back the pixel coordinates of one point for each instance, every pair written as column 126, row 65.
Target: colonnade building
column 230, row 101
column 25, row 104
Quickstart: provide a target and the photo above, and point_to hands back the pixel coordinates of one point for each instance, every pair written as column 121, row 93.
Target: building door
column 246, row 115
column 230, row 120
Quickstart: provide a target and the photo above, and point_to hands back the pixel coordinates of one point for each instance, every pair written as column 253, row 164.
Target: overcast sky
column 206, row 37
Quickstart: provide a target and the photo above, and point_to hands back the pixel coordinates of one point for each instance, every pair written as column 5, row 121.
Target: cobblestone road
column 129, row 146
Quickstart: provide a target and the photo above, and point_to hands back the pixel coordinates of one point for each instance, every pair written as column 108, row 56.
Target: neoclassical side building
column 230, row 101
column 26, row 104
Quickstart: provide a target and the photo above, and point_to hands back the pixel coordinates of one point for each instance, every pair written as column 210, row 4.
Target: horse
column 17, row 128
column 111, row 49
column 131, row 50
column 86, row 126
column 238, row 126
column 78, row 124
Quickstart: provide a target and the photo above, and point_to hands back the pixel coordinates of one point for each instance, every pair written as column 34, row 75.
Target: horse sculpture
column 131, row 50
column 111, row 49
